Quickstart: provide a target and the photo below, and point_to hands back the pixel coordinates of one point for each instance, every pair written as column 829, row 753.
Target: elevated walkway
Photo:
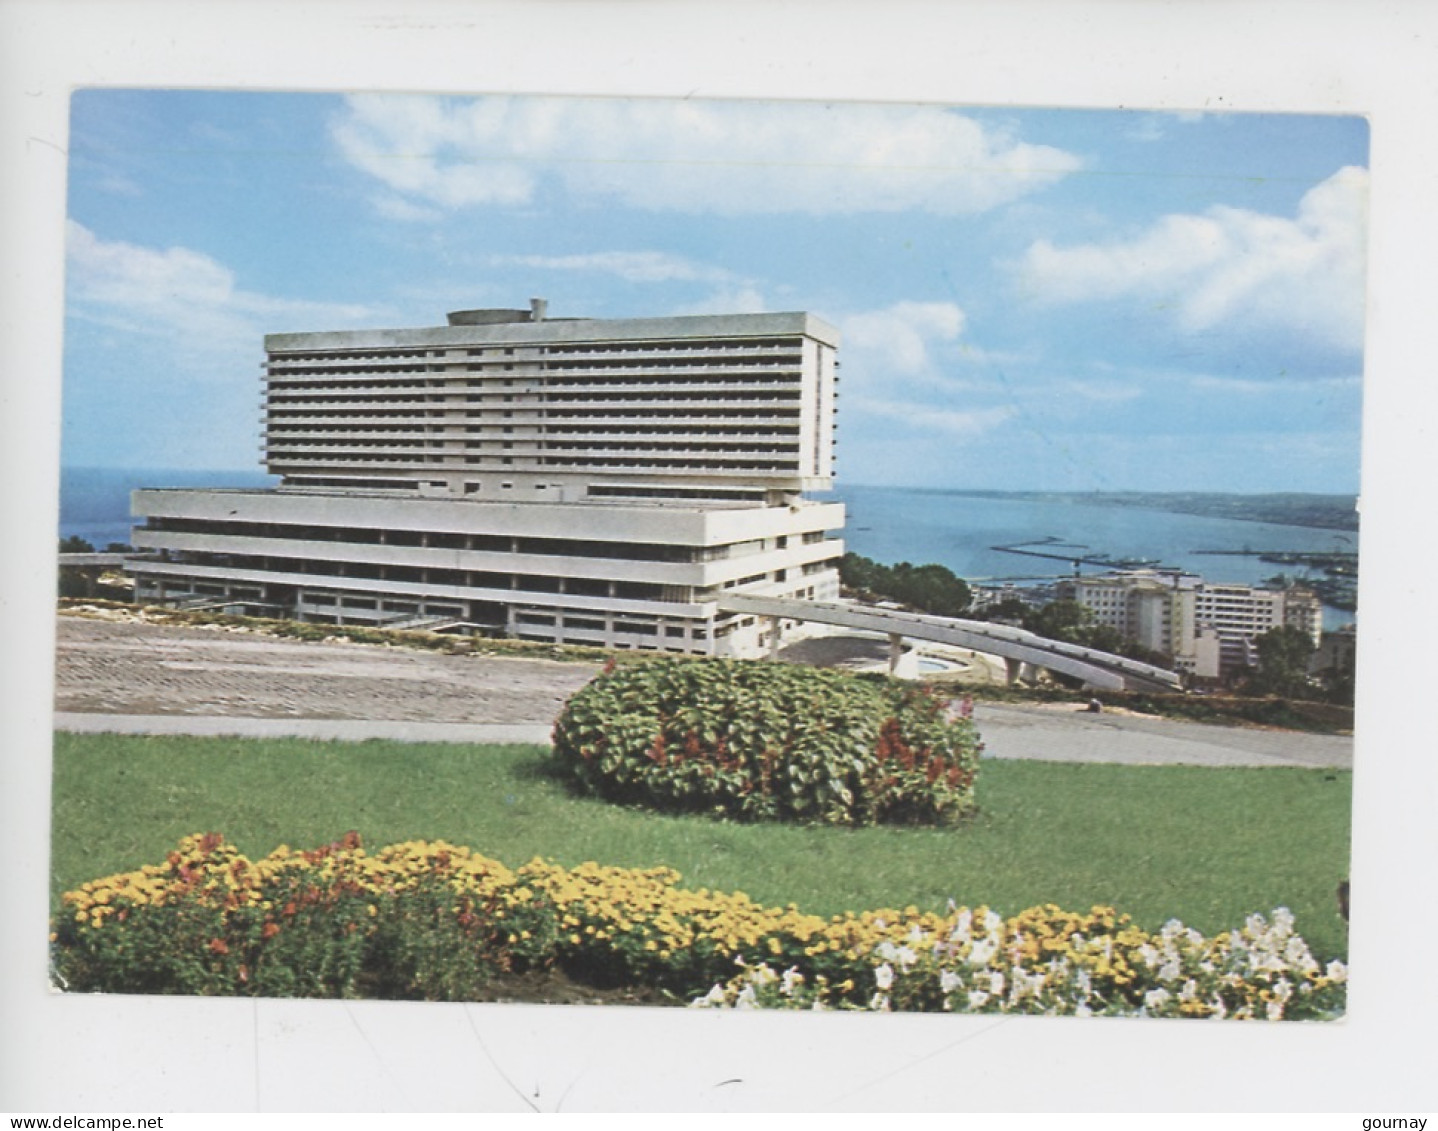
column 1098, row 670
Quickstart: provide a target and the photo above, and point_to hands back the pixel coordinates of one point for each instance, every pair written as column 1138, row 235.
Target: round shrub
column 765, row 741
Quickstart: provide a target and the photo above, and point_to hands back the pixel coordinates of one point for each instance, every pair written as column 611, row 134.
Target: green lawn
column 1206, row 845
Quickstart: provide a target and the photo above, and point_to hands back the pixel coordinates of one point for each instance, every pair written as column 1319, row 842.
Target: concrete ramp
column 1099, row 670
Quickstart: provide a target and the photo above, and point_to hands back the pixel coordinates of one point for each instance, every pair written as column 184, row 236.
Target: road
column 151, row 679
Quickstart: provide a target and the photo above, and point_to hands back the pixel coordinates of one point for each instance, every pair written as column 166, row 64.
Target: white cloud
column 957, row 423
column 1249, row 386
column 1231, row 266
column 397, row 208
column 181, row 295
column 690, row 156
column 738, row 299
column 631, row 266
column 897, row 341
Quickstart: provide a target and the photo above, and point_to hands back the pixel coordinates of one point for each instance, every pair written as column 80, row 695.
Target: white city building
column 570, row 480
column 1208, row 628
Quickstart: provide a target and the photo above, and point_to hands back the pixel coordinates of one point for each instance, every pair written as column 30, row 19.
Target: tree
column 1059, row 620
column 927, row 588
column 74, row 544
column 1283, row 656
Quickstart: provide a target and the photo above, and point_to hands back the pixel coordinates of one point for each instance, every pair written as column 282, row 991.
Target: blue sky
column 1057, row 300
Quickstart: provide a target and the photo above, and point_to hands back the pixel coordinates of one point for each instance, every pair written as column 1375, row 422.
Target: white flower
column 884, row 976
column 747, row 999
column 1189, row 991
column 1156, row 999
column 1275, row 1011
column 963, row 926
column 1298, row 955
column 763, row 975
column 977, row 999
column 949, row 981
column 791, row 981
column 906, row 958
column 1170, row 971
column 992, row 921
column 982, row 952
column 879, row 1003
column 1336, row 972
column 713, row 998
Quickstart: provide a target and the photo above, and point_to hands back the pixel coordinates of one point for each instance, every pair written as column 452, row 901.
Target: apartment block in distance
column 569, row 480
column 1208, row 628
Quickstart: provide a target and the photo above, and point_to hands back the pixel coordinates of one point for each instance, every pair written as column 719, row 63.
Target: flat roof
column 615, row 502
column 577, row 331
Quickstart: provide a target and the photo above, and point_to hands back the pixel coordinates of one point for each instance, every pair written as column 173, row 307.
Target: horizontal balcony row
column 318, row 554
column 683, row 419
column 566, row 351
column 512, row 461
column 617, row 406
column 597, row 432
column 595, row 371
column 539, row 444
column 560, row 391
column 187, row 571
column 356, row 528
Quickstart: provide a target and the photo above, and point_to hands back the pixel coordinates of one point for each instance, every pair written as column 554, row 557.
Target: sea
column 95, row 501
column 889, row 525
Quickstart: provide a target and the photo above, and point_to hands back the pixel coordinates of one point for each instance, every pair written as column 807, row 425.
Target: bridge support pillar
column 776, row 636
column 896, row 651
column 1014, row 668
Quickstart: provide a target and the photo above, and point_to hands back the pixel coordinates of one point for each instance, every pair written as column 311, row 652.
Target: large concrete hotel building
column 575, row 480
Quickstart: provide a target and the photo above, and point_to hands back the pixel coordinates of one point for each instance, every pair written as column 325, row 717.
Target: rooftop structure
column 575, row 480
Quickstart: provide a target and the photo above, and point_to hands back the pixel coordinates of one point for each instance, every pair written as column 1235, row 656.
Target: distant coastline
column 1290, row 508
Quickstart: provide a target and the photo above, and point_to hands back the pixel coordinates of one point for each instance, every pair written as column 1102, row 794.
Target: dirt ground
column 128, row 668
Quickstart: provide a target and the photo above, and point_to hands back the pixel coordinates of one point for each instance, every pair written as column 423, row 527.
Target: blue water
column 891, row 524
column 888, row 524
column 95, row 501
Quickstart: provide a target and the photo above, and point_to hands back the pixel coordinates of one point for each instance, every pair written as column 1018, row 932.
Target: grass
column 1209, row 846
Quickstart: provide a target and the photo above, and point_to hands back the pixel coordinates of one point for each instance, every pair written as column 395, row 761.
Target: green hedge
column 761, row 741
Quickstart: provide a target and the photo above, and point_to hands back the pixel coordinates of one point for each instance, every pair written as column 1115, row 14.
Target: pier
column 1102, row 560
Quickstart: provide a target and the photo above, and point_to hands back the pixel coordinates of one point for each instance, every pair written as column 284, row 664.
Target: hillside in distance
column 1329, row 512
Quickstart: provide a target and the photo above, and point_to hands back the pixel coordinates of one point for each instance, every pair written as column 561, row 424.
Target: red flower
column 219, row 946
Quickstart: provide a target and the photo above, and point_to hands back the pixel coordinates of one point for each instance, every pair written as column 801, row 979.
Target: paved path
column 149, row 679
column 343, row 730
column 1075, row 735
column 126, row 668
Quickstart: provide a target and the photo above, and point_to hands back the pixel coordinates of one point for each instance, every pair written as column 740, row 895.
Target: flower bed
column 759, row 741
column 439, row 922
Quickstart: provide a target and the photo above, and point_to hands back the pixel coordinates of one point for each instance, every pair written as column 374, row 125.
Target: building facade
column 1209, row 629
column 570, row 480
